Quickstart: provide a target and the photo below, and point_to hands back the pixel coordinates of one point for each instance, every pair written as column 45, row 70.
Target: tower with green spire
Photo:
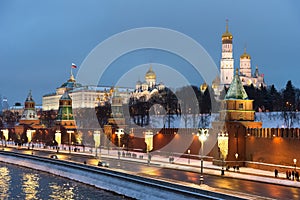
column 236, row 116
column 236, row 105
column 117, row 118
column 65, row 114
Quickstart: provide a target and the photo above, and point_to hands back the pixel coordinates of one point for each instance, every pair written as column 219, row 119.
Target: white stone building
column 82, row 96
column 227, row 67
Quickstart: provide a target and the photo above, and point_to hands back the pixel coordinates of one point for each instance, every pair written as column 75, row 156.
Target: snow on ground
column 117, row 185
column 269, row 119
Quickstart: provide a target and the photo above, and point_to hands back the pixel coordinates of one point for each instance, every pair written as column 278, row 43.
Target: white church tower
column 227, row 61
column 245, row 64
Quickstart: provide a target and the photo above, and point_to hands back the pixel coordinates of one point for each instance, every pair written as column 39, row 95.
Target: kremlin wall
column 235, row 139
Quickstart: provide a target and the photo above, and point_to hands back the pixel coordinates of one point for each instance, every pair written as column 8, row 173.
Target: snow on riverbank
column 109, row 183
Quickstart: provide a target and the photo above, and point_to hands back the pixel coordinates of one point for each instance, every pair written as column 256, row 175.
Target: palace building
column 82, row 96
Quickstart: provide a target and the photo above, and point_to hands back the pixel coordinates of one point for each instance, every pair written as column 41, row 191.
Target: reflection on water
column 23, row 183
column 64, row 191
column 4, row 182
column 30, row 185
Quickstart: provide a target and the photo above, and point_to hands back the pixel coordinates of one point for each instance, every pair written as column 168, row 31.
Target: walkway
column 192, row 165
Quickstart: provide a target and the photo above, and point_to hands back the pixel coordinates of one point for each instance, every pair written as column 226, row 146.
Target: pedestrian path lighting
column 29, row 137
column 97, row 135
column 236, row 158
column 58, row 138
column 202, row 136
column 70, row 137
column 223, row 146
column 295, row 161
column 119, row 132
column 5, row 136
column 149, row 144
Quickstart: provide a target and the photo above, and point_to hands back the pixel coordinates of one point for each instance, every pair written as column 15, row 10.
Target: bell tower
column 245, row 64
column 227, row 61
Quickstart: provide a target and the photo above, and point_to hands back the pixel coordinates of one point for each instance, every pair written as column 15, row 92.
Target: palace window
column 241, row 106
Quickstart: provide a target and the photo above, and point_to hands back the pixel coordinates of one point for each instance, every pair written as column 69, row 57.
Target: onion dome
column 138, row 82
column 216, row 82
column 227, row 36
column 245, row 55
column 111, row 90
column 203, row 87
column 150, row 74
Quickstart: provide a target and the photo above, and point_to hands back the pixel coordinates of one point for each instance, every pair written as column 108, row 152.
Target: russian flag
column 73, row 66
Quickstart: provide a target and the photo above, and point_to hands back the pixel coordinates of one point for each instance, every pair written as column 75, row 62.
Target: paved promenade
column 192, row 165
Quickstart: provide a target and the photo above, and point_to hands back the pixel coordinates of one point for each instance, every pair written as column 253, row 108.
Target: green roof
column 236, row 89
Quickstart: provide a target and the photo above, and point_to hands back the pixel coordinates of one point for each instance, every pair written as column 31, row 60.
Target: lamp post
column 5, row 135
column 97, row 135
column 202, row 136
column 149, row 144
column 295, row 161
column 189, row 151
column 223, row 146
column 29, row 138
column 236, row 158
column 70, row 135
column 119, row 132
column 58, row 139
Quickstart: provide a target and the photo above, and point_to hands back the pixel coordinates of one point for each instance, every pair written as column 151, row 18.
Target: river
column 22, row 183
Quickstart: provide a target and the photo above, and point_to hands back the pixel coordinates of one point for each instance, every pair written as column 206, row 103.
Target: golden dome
column 203, row 87
column 227, row 35
column 245, row 55
column 150, row 74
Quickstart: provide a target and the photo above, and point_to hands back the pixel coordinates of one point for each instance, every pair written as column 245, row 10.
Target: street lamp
column 149, row 144
column 29, row 137
column 202, row 136
column 119, row 132
column 295, row 161
column 5, row 135
column 58, row 138
column 70, row 135
column 236, row 157
column 223, row 146
column 189, row 151
column 97, row 135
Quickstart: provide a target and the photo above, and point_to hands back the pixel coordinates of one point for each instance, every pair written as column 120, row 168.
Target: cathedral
column 148, row 87
column 227, row 67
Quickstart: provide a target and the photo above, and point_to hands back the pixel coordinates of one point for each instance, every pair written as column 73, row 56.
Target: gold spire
column 227, row 35
column 245, row 55
column 150, row 74
column 226, row 25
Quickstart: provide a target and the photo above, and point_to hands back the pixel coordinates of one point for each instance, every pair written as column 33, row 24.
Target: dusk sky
column 40, row 39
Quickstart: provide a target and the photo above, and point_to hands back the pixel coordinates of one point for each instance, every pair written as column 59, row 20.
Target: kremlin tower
column 65, row 116
column 227, row 61
column 29, row 118
column 29, row 115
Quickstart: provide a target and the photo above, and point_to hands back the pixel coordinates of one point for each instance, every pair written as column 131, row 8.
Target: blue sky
column 40, row 39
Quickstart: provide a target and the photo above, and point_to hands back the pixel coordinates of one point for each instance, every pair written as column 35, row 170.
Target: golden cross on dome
column 226, row 25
